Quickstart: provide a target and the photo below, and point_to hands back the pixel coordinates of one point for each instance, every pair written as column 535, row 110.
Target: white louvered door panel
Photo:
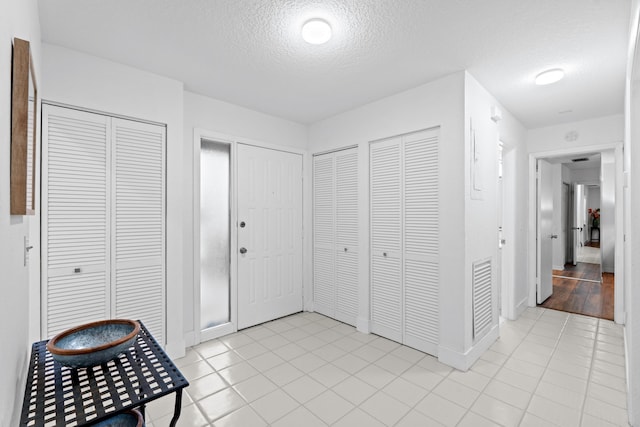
column 386, row 243
column 138, row 224
column 346, row 172
column 482, row 298
column 324, row 234
column 75, row 229
column 421, row 277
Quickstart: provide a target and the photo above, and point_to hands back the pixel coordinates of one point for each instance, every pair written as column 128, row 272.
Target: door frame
column 233, row 141
column 230, row 327
column 532, row 244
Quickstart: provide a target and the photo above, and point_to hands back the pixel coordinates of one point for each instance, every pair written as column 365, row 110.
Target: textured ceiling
column 250, row 53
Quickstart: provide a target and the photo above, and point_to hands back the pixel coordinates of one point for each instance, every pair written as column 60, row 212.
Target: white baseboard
column 363, row 325
column 521, row 307
column 176, row 350
column 190, row 339
column 308, row 306
column 464, row 361
column 608, row 268
column 556, row 267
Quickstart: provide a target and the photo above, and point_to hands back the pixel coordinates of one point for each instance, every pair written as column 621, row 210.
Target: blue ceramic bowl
column 130, row 418
column 93, row 343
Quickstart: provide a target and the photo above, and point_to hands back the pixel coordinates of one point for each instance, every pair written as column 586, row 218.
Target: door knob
column 243, row 250
column 242, row 224
column 554, row 236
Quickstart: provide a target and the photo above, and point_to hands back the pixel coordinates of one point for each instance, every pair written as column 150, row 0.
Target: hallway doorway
column 581, row 283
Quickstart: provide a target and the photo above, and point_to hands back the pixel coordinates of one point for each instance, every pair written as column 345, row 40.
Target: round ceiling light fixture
column 549, row 76
column 316, row 31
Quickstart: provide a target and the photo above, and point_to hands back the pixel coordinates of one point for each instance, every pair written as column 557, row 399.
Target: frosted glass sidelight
column 214, row 234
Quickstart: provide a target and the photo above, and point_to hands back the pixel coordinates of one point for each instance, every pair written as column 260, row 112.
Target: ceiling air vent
column 581, row 159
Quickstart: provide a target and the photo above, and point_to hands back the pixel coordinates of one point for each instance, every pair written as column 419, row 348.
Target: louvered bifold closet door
column 386, row 243
column 75, row 205
column 324, row 234
column 138, row 223
column 421, row 276
column 346, row 162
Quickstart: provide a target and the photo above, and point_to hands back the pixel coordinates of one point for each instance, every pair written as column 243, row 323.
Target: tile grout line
column 521, row 336
column 230, row 386
column 481, row 392
column 546, row 367
column 593, row 356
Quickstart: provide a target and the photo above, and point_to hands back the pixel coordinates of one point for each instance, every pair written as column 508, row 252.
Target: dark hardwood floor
column 579, row 296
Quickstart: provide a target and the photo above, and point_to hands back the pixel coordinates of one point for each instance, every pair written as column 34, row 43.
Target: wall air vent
column 482, row 298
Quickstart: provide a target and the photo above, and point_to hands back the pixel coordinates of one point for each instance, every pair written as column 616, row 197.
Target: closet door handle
column 384, row 254
column 243, row 250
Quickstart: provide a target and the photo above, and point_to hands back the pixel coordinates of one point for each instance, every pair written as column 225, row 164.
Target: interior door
column 576, row 227
column 76, row 198
column 386, row 239
column 501, row 240
column 346, row 239
column 566, row 222
column 545, row 225
column 269, row 234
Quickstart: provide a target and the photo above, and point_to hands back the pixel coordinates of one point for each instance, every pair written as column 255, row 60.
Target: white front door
column 545, row 229
column 269, row 234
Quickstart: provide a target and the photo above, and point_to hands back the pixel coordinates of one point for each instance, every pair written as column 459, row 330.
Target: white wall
column 586, row 176
column 18, row 18
column 593, row 197
column 82, row 80
column 220, row 117
column 482, row 207
column 631, row 225
column 463, row 233
column 439, row 103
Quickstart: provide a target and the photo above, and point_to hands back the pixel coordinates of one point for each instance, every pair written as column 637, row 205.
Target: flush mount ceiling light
column 549, row 76
column 316, row 31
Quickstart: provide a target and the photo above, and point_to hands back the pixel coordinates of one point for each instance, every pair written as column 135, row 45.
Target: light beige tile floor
column 548, row 369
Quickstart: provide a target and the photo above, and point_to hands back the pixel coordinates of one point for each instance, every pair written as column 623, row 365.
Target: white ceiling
column 250, row 53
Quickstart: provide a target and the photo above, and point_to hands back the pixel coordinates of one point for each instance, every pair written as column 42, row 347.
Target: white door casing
column 270, row 243
column 545, row 230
